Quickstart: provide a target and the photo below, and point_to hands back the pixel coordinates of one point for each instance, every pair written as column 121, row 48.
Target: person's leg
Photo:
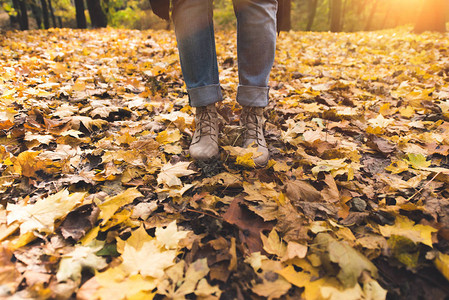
column 196, row 44
column 194, row 31
column 256, row 46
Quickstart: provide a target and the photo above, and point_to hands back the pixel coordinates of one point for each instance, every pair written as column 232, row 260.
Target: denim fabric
column 256, row 44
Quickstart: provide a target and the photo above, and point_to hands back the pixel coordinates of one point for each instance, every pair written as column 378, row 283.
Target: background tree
column 312, row 6
column 80, row 16
column 52, row 13
column 37, row 12
column 45, row 14
column 21, row 8
column 335, row 15
column 97, row 16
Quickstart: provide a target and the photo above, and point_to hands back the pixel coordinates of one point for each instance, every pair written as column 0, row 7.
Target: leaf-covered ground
column 99, row 198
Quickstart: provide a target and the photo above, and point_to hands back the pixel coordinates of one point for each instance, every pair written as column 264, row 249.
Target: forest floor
column 99, row 198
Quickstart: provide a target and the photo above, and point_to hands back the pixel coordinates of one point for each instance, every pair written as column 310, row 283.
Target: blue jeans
column 256, row 45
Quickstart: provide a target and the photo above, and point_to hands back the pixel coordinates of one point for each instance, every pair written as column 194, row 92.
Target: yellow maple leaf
column 397, row 167
column 273, row 244
column 26, row 163
column 243, row 156
column 442, row 264
column 407, row 228
column 260, row 191
column 143, row 254
column 418, row 161
column 300, row 279
column 407, row 112
column 81, row 257
column 255, row 260
column 115, row 284
column 168, row 136
column 149, row 260
column 246, row 160
column 112, row 204
column 271, row 286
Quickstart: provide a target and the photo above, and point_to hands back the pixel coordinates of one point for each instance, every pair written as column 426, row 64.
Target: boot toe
column 262, row 160
column 202, row 152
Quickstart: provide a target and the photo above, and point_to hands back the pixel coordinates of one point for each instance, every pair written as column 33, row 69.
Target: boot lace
column 253, row 121
column 206, row 122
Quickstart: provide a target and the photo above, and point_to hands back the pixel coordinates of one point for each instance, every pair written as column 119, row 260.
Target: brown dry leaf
column 299, row 190
column 330, row 193
column 10, row 277
column 79, row 222
column 380, row 144
column 87, row 122
column 250, row 225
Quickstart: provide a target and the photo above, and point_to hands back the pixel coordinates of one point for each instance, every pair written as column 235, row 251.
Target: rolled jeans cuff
column 205, row 95
column 252, row 95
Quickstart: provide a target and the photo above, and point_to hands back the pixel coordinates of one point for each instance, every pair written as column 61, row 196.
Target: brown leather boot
column 252, row 120
column 204, row 144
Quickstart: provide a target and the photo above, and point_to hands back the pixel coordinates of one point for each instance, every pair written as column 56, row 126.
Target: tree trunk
column 432, row 16
column 52, row 14
column 23, row 15
column 35, row 9
column 284, row 15
column 97, row 16
column 371, row 16
column 312, row 6
column 335, row 15
column 12, row 20
column 45, row 14
column 80, row 16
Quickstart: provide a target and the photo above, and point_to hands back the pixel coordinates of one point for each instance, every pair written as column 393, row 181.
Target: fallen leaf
column 112, row 204
column 80, row 258
column 295, row 250
column 170, row 236
column 442, row 264
column 142, row 254
column 170, row 174
column 351, row 262
column 273, row 244
column 42, row 215
column 407, row 228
